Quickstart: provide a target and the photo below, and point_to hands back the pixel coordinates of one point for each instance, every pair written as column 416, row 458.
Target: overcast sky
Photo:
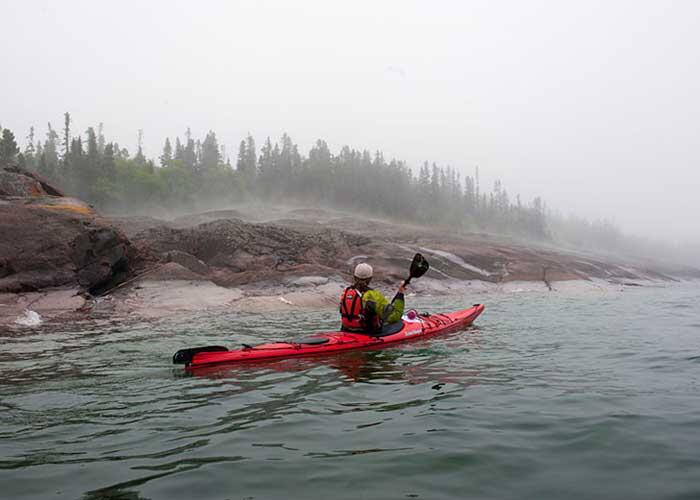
column 593, row 105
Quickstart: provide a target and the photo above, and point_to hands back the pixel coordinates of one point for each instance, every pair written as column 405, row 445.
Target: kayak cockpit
column 310, row 341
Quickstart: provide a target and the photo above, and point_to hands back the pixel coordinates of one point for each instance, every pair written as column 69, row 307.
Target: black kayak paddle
column 419, row 266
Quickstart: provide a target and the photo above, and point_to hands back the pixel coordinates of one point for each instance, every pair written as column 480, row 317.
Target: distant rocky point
column 230, row 249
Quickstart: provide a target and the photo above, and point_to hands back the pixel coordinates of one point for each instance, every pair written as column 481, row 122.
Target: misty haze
column 393, row 249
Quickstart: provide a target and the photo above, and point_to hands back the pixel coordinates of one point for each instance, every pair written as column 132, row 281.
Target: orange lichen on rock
column 83, row 210
column 36, row 190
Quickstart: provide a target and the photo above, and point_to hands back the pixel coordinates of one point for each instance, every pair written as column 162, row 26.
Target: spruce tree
column 100, row 138
column 30, row 150
column 50, row 153
column 92, row 160
column 189, row 155
column 92, row 151
column 210, row 155
column 167, row 153
column 251, row 155
column 469, row 194
column 8, row 149
column 241, row 164
column 76, row 169
column 66, row 137
column 108, row 165
column 424, row 177
column 139, row 158
column 179, row 150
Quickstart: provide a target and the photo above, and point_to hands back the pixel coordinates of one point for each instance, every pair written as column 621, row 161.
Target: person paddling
column 365, row 310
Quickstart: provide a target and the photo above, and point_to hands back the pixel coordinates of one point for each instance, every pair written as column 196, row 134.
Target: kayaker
column 363, row 309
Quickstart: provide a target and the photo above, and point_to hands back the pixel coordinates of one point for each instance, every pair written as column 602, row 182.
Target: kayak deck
column 423, row 325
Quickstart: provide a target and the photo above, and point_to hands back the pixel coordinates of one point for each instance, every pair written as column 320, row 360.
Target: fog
column 592, row 105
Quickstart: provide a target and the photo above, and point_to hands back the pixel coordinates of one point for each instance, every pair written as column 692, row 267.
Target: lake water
column 576, row 395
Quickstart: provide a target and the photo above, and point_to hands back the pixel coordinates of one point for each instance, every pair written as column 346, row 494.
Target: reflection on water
column 548, row 395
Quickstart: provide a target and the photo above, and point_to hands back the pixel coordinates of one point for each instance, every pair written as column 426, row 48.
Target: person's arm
column 397, row 306
column 379, row 300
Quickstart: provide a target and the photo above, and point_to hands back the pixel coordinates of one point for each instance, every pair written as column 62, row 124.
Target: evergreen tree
column 210, row 155
column 92, row 161
column 179, row 150
column 92, row 151
column 265, row 159
column 100, row 138
column 8, row 149
column 540, row 224
column 251, row 155
column 78, row 180
column 42, row 167
column 496, row 197
column 285, row 160
column 319, row 181
column 241, row 164
column 424, row 177
column 267, row 167
column 469, row 195
column 49, row 166
column 104, row 190
column 30, row 150
column 167, row 153
column 108, row 165
column 140, row 159
column 435, row 182
column 276, row 157
column 198, row 154
column 476, row 189
column 66, row 137
column 120, row 153
column 320, row 155
column 189, row 155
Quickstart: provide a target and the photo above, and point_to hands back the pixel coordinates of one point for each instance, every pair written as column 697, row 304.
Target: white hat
column 363, row 271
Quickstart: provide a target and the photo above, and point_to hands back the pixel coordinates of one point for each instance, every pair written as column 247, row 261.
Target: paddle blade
column 184, row 356
column 419, row 266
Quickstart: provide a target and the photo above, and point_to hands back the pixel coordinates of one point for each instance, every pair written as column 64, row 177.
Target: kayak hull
column 330, row 342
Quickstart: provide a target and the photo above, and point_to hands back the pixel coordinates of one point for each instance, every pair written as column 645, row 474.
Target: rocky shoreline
column 62, row 262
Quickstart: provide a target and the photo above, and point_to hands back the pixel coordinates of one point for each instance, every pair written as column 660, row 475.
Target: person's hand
column 402, row 287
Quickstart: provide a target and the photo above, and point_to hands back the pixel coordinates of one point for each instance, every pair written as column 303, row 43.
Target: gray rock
column 53, row 241
column 15, row 181
column 309, row 281
column 187, row 260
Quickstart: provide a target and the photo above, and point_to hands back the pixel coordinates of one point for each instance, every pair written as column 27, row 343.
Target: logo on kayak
column 412, row 332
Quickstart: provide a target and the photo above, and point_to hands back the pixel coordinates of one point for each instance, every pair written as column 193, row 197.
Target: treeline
column 193, row 174
column 578, row 232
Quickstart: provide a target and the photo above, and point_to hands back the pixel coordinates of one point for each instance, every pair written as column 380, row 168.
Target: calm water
column 550, row 396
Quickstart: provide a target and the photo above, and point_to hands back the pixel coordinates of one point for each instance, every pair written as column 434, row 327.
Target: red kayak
column 422, row 325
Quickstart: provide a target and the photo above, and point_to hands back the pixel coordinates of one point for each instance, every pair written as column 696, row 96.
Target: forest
column 196, row 174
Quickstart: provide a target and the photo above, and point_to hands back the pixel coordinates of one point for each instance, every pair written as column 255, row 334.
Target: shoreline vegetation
column 63, row 259
column 195, row 174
